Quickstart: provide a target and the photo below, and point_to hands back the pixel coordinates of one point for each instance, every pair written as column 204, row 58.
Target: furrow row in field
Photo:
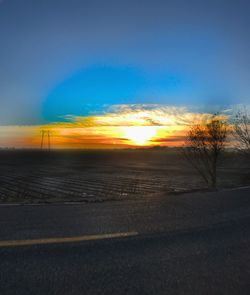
column 52, row 192
column 55, row 183
column 32, row 192
column 141, row 185
column 84, row 189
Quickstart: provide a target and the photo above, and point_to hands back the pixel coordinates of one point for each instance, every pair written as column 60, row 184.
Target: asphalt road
column 186, row 244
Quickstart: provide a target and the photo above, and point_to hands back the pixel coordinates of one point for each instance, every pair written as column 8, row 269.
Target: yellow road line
column 15, row 243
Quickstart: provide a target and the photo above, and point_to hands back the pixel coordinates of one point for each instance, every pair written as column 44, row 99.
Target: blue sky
column 74, row 57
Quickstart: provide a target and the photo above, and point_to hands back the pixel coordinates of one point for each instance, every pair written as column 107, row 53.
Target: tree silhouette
column 204, row 146
column 241, row 130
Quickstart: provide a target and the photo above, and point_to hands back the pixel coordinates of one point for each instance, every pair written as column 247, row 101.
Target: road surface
column 181, row 244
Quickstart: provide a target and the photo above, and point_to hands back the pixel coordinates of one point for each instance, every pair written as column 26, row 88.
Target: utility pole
column 45, row 134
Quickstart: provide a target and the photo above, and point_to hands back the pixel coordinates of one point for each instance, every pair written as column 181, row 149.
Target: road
column 182, row 244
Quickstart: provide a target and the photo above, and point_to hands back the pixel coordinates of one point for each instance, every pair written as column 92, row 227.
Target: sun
column 140, row 135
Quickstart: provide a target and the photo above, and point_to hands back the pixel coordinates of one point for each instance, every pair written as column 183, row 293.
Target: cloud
column 137, row 115
column 171, row 139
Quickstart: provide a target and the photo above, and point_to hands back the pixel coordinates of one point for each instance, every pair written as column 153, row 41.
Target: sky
column 68, row 61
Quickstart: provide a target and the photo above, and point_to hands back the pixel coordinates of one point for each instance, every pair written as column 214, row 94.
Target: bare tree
column 204, row 145
column 241, row 130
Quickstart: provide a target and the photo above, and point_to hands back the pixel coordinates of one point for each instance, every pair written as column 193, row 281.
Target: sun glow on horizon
column 140, row 135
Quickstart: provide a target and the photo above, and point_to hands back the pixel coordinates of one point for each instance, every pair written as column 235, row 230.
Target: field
column 94, row 176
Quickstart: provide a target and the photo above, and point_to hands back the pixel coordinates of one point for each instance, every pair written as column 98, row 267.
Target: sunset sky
column 112, row 74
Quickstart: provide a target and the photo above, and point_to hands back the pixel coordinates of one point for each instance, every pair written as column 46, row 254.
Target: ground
column 93, row 176
column 119, row 222
column 194, row 243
